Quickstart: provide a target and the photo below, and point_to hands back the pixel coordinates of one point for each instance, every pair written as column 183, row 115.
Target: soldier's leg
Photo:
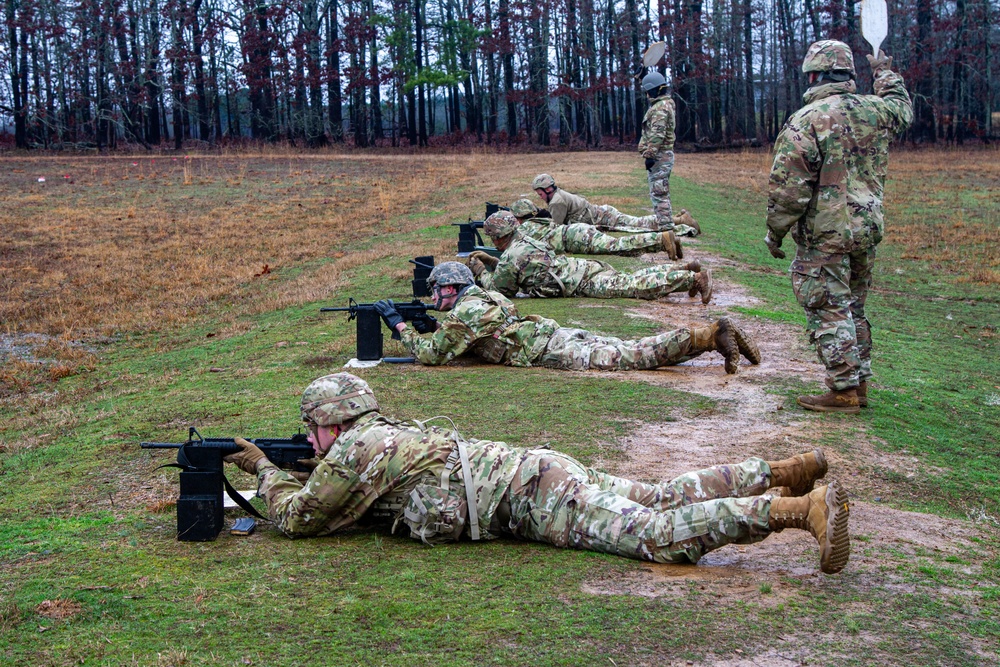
column 552, row 501
column 649, row 283
column 611, row 219
column 862, row 263
column 588, row 240
column 579, row 350
column 659, row 191
column 821, row 285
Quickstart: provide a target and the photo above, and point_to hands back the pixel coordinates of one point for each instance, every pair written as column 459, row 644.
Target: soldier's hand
column 879, row 63
column 387, row 310
column 486, row 258
column 247, row 458
column 425, row 324
column 650, row 162
column 476, row 266
column 301, row 476
column 310, row 464
column 774, row 247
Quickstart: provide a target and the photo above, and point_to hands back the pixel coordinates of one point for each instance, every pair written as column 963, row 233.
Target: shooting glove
column 476, row 266
column 650, row 162
column 774, row 247
column 247, row 458
column 486, row 258
column 425, row 324
column 391, row 316
column 880, row 63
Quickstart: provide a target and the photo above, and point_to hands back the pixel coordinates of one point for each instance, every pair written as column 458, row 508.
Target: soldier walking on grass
column 487, row 324
column 532, row 267
column 444, row 488
column 826, row 189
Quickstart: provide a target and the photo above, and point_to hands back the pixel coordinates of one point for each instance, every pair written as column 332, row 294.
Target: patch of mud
column 24, row 346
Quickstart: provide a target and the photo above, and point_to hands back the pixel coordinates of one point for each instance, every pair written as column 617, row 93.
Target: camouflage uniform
column 567, row 208
column 488, row 325
column 377, row 465
column 826, row 189
column 657, row 143
column 579, row 239
column 532, row 267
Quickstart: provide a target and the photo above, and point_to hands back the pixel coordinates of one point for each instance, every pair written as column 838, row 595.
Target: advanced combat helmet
column 450, row 273
column 829, row 55
column 501, row 224
column 523, row 208
column 652, row 81
column 543, row 182
column 335, row 399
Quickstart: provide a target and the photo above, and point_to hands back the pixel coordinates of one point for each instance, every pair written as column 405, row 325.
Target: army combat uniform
column 443, row 487
column 826, row 188
column 488, row 325
column 567, row 208
column 657, row 143
column 580, row 239
column 532, row 267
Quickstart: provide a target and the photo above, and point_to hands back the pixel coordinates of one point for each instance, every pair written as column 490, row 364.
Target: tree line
column 409, row 72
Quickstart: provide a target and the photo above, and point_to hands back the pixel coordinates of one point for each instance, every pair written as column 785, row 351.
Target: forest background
column 101, row 73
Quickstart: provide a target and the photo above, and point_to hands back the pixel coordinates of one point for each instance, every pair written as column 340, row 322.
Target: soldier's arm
column 896, row 110
column 306, row 509
column 451, row 339
column 503, row 279
column 660, row 124
column 793, row 178
column 559, row 210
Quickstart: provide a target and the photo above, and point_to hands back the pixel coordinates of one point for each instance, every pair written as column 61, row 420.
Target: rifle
column 199, row 508
column 369, row 337
column 469, row 238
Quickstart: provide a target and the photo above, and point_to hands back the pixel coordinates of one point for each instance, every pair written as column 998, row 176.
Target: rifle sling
column 185, row 465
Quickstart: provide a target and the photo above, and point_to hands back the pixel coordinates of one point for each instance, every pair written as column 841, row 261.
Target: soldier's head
column 654, row 84
column 501, row 227
column 523, row 209
column 545, row 186
column 828, row 61
column 330, row 404
column 446, row 281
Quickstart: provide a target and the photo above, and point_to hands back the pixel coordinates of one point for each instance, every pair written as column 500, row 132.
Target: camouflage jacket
column 830, row 161
column 567, row 207
column 488, row 325
column 658, row 128
column 533, row 267
column 546, row 231
column 378, row 456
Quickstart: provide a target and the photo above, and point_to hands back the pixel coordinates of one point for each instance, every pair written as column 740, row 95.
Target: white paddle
column 874, row 22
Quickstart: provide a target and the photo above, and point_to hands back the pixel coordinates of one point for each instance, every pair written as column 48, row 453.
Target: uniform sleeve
column 896, row 110
column 559, row 209
column 656, row 127
column 301, row 510
column 793, row 178
column 503, row 279
column 451, row 339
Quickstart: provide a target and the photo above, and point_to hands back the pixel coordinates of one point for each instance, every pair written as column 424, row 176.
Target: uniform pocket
column 810, row 285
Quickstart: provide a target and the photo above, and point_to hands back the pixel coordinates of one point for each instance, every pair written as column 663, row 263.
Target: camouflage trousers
column 556, row 500
column 649, row 283
column 833, row 288
column 659, row 190
column 580, row 239
column 610, row 219
column 578, row 350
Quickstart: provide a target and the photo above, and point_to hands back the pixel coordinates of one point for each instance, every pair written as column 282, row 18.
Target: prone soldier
column 444, row 487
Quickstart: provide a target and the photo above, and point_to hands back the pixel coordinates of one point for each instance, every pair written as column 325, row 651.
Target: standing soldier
column 532, row 267
column 657, row 146
column 826, row 189
column 576, row 238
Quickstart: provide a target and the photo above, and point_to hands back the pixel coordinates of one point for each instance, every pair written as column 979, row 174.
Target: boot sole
column 706, row 294
column 746, row 345
column 837, row 550
column 849, row 410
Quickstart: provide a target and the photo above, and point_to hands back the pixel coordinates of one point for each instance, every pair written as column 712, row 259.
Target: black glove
column 650, row 162
column 425, row 324
column 774, row 247
column 391, row 316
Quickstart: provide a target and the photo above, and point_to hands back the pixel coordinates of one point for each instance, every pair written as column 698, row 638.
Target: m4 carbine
column 469, row 238
column 199, row 508
column 369, row 340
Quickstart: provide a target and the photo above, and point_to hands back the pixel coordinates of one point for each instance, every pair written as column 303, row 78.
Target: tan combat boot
column 746, row 345
column 717, row 338
column 694, row 266
column 863, row 393
column 669, row 244
column 685, row 218
column 703, row 285
column 845, row 401
column 796, row 475
column 824, row 513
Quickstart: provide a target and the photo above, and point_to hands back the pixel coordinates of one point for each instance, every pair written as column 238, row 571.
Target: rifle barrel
column 161, row 445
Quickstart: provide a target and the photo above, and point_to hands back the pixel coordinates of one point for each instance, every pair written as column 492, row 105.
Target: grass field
column 140, row 296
